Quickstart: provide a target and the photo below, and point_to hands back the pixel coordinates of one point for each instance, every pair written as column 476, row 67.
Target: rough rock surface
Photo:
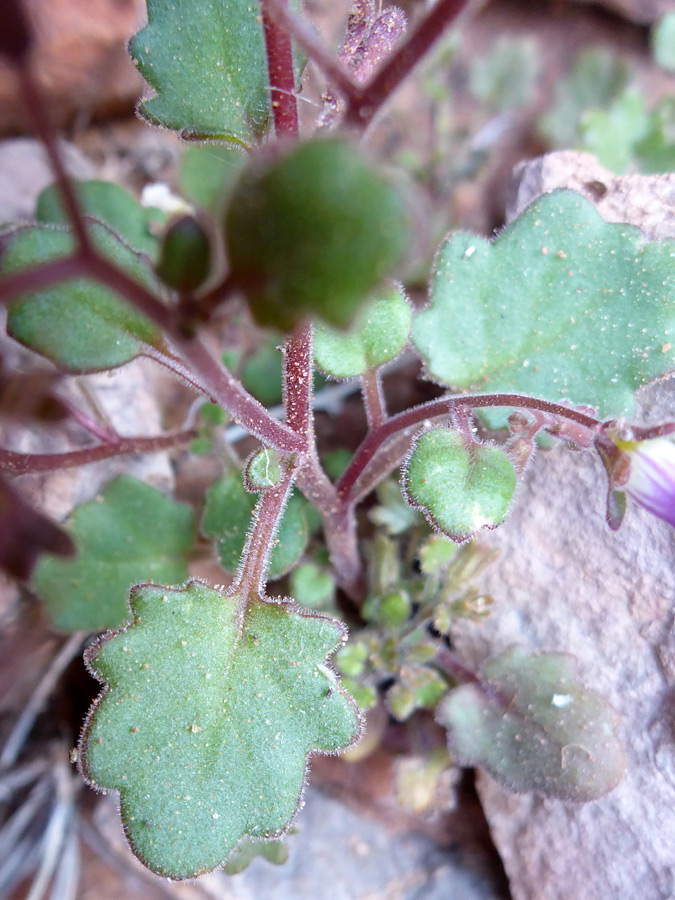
column 25, row 171
column 565, row 582
column 336, row 854
column 647, row 201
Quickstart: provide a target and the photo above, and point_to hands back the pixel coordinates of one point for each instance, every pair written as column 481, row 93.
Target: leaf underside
column 536, row 728
column 130, row 533
column 79, row 325
column 206, row 61
column 207, row 719
column 562, row 305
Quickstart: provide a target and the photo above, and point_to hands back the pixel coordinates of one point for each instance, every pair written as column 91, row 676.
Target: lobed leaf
column 534, row 727
column 206, row 61
column 130, row 533
column 79, row 325
column 227, row 518
column 377, row 336
column 459, row 485
column 206, row 720
column 562, row 305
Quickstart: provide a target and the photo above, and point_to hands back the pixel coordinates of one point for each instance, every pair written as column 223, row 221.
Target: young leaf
column 460, row 486
column 207, row 718
column 128, row 534
column 562, row 305
column 108, row 203
column 227, row 519
column 221, row 91
column 534, row 727
column 378, row 335
column 275, row 852
column 79, row 325
column 281, row 222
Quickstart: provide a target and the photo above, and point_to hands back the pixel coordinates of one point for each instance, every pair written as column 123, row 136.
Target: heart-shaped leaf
column 458, row 484
column 534, row 727
column 79, row 325
column 281, row 224
column 562, row 305
column 209, row 712
column 227, row 519
column 378, row 335
column 130, row 533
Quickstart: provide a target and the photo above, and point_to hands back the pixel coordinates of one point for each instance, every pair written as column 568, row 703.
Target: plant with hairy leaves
column 213, row 699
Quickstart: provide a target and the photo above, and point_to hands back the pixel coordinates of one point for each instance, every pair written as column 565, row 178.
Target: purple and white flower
column 651, row 476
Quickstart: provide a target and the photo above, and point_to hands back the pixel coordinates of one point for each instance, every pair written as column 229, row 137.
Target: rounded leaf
column 282, row 225
column 79, row 325
column 458, row 484
column 377, row 336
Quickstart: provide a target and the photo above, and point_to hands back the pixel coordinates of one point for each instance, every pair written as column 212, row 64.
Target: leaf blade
column 207, row 719
column 562, row 305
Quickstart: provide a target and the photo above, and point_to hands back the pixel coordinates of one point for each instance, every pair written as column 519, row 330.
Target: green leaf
column 227, row 518
column 663, row 42
column 596, row 78
column 107, row 203
column 275, row 852
column 281, row 223
column 562, row 305
column 79, row 325
column 261, row 372
column 313, row 587
column 206, row 60
column 460, row 486
column 208, row 714
column 130, row 533
column 185, row 258
column 206, row 173
column 612, row 134
column 504, row 78
column 534, row 727
column 262, row 470
column 378, row 335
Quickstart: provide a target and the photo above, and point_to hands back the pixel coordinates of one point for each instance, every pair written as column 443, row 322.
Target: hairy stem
column 373, row 398
column 47, row 134
column 442, row 407
column 362, row 107
column 281, row 74
column 252, row 575
column 29, row 463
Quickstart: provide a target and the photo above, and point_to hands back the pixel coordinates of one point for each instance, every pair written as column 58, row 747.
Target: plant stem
column 47, row 134
column 364, row 105
column 210, row 375
column 30, row 463
column 373, row 398
column 252, row 574
column 442, row 407
column 281, row 75
column 314, row 47
column 40, row 276
column 364, row 101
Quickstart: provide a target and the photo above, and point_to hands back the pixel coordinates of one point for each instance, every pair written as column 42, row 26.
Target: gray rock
column 565, row 582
